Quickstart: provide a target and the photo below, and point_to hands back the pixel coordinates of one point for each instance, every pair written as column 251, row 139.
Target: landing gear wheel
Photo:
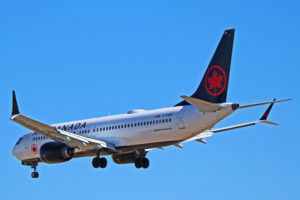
column 103, row 162
column 96, row 162
column 145, row 163
column 138, row 163
column 34, row 175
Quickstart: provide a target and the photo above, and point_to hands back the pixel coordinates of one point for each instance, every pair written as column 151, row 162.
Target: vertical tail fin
column 214, row 84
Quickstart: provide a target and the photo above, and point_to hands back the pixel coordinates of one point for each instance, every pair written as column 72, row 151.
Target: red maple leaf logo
column 34, row 148
column 215, row 81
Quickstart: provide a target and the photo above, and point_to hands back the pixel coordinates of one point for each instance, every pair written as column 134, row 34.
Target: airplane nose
column 14, row 151
column 17, row 150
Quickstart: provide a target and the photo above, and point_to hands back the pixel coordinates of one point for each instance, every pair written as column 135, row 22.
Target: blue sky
column 72, row 60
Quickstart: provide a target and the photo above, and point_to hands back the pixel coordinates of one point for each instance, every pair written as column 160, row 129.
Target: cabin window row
column 137, row 124
column 39, row 138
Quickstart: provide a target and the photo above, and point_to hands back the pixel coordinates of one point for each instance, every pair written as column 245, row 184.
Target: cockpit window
column 19, row 140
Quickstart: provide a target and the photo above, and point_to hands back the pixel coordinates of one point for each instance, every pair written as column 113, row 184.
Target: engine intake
column 55, row 152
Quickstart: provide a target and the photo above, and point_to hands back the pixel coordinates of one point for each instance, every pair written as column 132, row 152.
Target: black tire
column 34, row 175
column 138, row 163
column 96, row 162
column 103, row 162
column 146, row 163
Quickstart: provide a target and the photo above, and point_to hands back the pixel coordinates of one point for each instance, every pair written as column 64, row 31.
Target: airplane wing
column 211, row 132
column 68, row 138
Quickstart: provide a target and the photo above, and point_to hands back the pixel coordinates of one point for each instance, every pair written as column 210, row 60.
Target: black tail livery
column 214, row 84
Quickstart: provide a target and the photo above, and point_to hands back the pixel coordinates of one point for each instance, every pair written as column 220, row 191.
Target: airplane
column 127, row 138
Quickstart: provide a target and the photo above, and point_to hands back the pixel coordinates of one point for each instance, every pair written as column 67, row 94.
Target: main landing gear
column 99, row 162
column 142, row 162
column 140, row 159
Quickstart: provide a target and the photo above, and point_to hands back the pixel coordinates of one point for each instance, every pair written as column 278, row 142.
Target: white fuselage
column 140, row 127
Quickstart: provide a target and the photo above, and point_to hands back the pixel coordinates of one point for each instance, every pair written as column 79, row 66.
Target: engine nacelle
column 55, row 152
column 124, row 158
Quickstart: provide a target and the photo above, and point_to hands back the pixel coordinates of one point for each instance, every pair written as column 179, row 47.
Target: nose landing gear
column 34, row 174
column 33, row 165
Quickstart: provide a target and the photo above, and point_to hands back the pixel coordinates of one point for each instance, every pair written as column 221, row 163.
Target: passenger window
column 122, row 126
column 147, row 123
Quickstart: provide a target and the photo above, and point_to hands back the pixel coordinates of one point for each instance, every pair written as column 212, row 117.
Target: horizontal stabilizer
column 268, row 122
column 263, row 103
column 203, row 106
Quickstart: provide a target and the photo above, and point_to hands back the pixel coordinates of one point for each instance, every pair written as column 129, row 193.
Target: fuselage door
column 180, row 121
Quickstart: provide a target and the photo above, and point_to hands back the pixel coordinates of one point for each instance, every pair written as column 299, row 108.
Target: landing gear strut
column 34, row 174
column 99, row 162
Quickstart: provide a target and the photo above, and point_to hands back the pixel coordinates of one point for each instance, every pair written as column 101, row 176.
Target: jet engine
column 55, row 152
column 124, row 158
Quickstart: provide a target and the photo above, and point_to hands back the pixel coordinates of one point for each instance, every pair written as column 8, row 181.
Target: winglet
column 265, row 115
column 15, row 109
column 263, row 119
